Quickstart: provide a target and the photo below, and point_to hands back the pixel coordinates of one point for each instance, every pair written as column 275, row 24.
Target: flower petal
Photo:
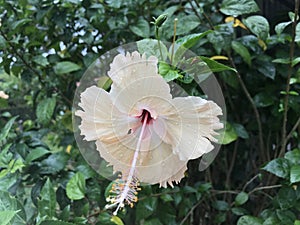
column 131, row 66
column 192, row 126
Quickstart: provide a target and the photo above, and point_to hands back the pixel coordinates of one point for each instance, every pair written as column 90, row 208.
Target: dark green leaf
column 146, row 208
column 66, row 67
column 55, row 222
column 286, row 198
column 241, row 198
column 238, row 7
column 154, row 221
column 258, row 25
column 240, row 49
column 47, row 203
column 295, row 174
column 36, row 153
column 19, row 23
column 2, row 42
column 263, row 99
column 239, row 211
column 279, row 167
column 76, row 187
column 249, row 220
column 221, row 205
column 141, row 29
column 45, row 109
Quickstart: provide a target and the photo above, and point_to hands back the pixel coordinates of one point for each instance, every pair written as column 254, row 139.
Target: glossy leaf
column 295, row 174
column 192, row 39
column 241, row 198
column 240, row 49
column 215, row 66
column 238, row 7
column 258, row 25
column 230, row 134
column 76, row 187
column 281, row 26
column 249, row 220
column 279, row 167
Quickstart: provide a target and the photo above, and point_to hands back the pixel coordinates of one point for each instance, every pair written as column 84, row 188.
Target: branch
column 284, row 138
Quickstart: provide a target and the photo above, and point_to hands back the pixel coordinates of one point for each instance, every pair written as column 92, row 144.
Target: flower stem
column 174, row 39
column 132, row 168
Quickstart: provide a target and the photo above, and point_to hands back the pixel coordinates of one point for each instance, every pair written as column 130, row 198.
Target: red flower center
column 146, row 114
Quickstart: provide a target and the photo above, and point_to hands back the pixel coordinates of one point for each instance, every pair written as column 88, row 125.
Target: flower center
column 146, row 115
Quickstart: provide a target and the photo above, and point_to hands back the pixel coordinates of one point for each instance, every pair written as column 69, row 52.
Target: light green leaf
column 215, row 66
column 241, row 198
column 192, row 39
column 281, row 26
column 279, row 167
column 36, row 153
column 249, row 220
column 47, row 202
column 295, row 174
column 258, row 25
column 19, row 23
column 151, row 47
column 66, row 67
column 5, row 130
column 45, row 109
column 238, row 7
column 76, row 187
column 282, row 61
column 297, row 222
column 6, row 216
column 240, row 49
column 297, row 38
column 230, row 134
column 293, row 157
column 141, row 29
column 41, row 60
column 295, row 61
column 116, row 220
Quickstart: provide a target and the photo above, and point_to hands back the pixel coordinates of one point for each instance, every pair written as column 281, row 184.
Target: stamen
column 125, row 192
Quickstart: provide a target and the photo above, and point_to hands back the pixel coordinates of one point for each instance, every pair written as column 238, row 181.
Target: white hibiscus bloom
column 141, row 130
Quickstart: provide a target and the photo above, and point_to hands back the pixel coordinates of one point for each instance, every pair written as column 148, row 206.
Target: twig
column 292, row 130
column 191, row 211
column 250, row 99
column 250, row 181
column 290, row 71
column 264, row 188
column 231, row 164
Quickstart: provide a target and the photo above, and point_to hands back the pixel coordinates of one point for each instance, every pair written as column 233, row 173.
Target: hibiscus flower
column 141, row 130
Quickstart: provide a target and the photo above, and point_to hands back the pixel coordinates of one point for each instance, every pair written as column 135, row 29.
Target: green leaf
column 76, row 187
column 230, row 134
column 2, row 42
column 295, row 61
column 297, row 222
column 279, row 167
column 146, row 208
column 221, row 205
column 249, row 220
column 297, row 38
column 281, row 26
column 151, row 47
column 282, row 61
column 258, row 25
column 239, row 211
column 240, row 49
column 215, row 66
column 66, row 67
column 238, row 7
column 116, row 220
column 5, row 130
column 240, row 130
column 19, row 23
column 36, row 153
column 41, row 60
column 141, row 29
column 55, row 222
column 263, row 99
column 192, row 39
column 295, row 174
column 293, row 157
column 45, row 109
column 6, row 216
column 47, row 201
column 241, row 198
column 154, row 221
column 286, row 198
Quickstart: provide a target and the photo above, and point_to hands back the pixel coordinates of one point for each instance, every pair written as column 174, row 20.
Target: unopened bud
column 160, row 20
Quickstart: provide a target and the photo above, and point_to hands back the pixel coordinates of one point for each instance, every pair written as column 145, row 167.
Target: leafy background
column 46, row 46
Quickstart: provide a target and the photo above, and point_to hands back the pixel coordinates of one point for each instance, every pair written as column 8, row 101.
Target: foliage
column 45, row 46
